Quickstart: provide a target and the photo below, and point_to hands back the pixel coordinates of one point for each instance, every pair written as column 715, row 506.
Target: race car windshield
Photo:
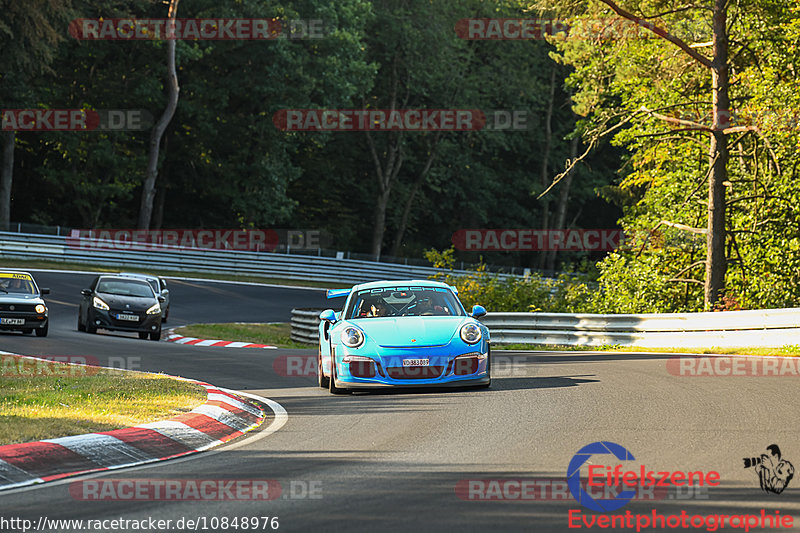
column 402, row 302
column 119, row 287
column 17, row 286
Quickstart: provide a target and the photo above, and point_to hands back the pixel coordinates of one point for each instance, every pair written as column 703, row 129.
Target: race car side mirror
column 478, row 311
column 328, row 316
column 45, row 291
column 161, row 299
column 86, row 292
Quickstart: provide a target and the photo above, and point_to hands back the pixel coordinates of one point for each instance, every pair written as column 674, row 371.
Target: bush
column 569, row 293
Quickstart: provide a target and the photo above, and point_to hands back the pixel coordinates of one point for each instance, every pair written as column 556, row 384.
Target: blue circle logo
column 574, row 477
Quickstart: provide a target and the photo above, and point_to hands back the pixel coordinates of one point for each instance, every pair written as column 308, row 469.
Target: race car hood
column 12, row 298
column 119, row 302
column 411, row 331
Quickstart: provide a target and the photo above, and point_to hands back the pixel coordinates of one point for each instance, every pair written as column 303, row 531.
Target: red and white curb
column 180, row 339
column 222, row 418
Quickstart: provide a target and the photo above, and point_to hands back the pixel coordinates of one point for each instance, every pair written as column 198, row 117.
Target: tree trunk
column 718, row 156
column 149, row 186
column 398, row 239
column 7, row 178
column 385, row 174
column 158, row 216
column 544, row 173
column 563, row 201
column 379, row 227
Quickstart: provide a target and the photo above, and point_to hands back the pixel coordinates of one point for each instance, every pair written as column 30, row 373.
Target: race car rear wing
column 337, row 293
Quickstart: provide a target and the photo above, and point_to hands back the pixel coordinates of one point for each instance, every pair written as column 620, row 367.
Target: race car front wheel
column 322, row 381
column 332, row 381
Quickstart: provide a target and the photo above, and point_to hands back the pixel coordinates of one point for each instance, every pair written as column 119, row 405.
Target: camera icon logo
column 574, row 476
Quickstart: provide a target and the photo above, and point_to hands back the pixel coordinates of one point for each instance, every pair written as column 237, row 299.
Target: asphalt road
column 393, row 461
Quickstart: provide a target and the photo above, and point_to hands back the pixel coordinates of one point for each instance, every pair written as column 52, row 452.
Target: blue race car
column 402, row 334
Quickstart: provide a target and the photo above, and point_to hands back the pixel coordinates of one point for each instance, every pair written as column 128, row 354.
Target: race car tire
column 332, row 381
column 322, row 381
column 42, row 332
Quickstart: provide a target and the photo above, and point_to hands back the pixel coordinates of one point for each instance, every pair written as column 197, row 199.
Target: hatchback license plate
column 129, row 318
column 13, row 321
column 416, row 362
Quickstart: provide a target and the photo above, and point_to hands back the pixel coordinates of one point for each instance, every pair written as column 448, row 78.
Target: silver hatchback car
column 159, row 285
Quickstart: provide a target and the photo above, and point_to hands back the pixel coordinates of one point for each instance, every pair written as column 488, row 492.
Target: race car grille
column 362, row 369
column 462, row 366
column 414, row 372
column 27, row 308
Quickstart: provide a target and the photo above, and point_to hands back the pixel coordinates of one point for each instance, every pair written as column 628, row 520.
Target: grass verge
column 785, row 351
column 55, row 265
column 45, row 400
column 273, row 334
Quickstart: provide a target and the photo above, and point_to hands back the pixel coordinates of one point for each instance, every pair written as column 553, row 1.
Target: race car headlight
column 99, row 304
column 352, row 337
column 154, row 310
column 470, row 333
column 40, row 309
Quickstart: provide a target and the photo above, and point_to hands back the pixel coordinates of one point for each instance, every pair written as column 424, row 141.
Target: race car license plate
column 129, row 318
column 12, row 321
column 416, row 362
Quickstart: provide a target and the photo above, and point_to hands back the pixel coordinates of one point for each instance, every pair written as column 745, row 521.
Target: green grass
column 21, row 264
column 273, row 334
column 787, row 351
column 44, row 400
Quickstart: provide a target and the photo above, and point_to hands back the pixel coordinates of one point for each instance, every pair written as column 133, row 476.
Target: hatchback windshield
column 17, row 284
column 404, row 301
column 125, row 287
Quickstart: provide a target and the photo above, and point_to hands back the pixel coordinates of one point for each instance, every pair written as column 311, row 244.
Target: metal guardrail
column 270, row 265
column 767, row 328
column 305, row 325
column 764, row 328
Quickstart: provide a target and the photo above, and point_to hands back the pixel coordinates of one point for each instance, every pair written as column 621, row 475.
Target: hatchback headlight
column 40, row 309
column 99, row 304
column 470, row 333
column 352, row 337
column 154, row 310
